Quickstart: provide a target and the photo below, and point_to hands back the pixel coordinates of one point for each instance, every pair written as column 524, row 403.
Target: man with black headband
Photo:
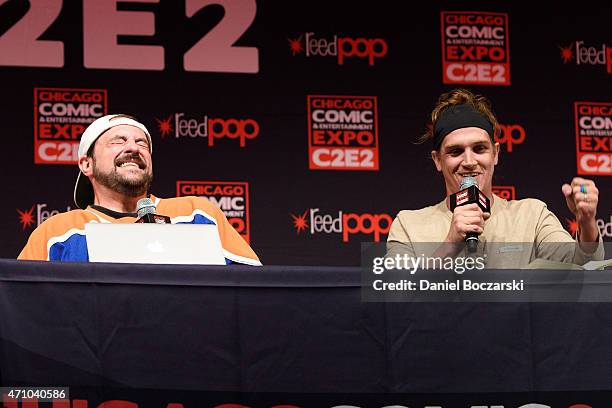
column 115, row 171
column 463, row 145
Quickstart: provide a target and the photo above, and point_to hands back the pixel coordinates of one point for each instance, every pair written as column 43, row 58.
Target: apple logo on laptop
column 156, row 247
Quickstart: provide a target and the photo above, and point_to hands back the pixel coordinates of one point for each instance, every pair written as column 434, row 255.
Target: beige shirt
column 517, row 232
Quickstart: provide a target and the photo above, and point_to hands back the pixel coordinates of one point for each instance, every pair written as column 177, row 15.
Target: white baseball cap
column 83, row 190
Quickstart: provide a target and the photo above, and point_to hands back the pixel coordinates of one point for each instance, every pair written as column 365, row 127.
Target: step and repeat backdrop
column 298, row 118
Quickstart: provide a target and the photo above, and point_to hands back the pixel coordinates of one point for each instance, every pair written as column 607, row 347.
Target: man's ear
column 435, row 156
column 496, row 152
column 86, row 165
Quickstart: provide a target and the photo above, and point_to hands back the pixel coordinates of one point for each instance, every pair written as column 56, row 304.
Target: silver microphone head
column 468, row 181
column 145, row 206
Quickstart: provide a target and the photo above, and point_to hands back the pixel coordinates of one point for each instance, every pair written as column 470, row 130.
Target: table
column 275, row 335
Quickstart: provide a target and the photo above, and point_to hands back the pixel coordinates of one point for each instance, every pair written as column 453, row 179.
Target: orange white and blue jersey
column 62, row 237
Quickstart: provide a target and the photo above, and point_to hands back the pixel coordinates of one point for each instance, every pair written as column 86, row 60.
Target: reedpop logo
column 27, row 218
column 346, row 224
column 340, row 47
column 211, row 129
column 587, row 55
column 605, row 228
column 509, row 135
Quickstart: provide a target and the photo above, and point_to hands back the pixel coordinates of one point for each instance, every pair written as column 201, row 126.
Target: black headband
column 457, row 117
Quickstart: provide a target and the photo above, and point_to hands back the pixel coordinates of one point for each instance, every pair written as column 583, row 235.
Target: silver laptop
column 154, row 243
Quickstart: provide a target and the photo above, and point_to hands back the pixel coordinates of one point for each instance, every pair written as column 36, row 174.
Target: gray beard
column 118, row 183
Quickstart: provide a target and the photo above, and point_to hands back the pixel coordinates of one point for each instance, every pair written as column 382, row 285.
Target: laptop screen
column 154, row 243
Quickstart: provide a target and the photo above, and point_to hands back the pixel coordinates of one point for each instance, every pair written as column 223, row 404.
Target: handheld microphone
column 469, row 193
column 145, row 209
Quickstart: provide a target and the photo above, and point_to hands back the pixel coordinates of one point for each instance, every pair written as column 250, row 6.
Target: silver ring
column 584, row 197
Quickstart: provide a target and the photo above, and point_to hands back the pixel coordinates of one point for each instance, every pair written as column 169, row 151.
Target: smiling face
column 467, row 152
column 121, row 161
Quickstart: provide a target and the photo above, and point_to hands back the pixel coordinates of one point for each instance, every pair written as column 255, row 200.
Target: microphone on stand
column 145, row 209
column 469, row 193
